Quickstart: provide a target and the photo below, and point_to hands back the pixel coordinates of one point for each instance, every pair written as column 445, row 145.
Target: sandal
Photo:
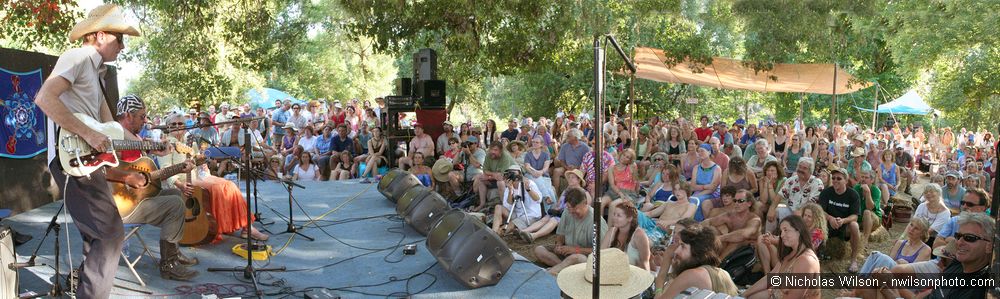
column 526, row 237
column 262, row 237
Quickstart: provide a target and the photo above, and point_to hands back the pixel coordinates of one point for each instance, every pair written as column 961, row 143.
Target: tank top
column 662, row 195
column 687, row 169
column 624, row 179
column 742, row 184
column 908, row 258
column 674, row 150
column 889, row 175
column 793, row 159
column 779, row 148
column 705, row 176
column 641, row 150
column 633, row 254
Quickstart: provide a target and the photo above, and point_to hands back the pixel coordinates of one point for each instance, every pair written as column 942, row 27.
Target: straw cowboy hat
column 107, row 17
column 511, row 145
column 619, row 279
column 577, row 173
column 441, row 169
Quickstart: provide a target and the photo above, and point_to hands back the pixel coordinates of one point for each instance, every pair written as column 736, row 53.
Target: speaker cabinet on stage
column 431, row 94
column 399, row 102
column 471, row 252
column 404, row 87
column 421, row 207
column 395, row 183
column 424, row 65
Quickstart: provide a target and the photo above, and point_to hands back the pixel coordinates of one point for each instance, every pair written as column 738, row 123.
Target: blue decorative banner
column 23, row 130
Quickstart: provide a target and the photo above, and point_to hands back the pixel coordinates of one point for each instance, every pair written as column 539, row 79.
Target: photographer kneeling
column 520, row 196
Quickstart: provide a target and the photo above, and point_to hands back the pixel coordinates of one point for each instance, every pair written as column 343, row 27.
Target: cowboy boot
column 170, row 265
column 186, row 260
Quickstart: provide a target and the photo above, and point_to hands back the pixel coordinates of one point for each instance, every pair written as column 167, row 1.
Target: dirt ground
column 881, row 240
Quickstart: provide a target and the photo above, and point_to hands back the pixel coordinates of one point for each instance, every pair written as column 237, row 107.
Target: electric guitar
column 79, row 159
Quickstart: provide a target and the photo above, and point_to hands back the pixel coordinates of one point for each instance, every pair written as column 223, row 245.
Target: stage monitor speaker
column 421, row 207
column 424, row 65
column 395, row 183
column 471, row 252
column 8, row 276
column 430, row 93
column 404, row 87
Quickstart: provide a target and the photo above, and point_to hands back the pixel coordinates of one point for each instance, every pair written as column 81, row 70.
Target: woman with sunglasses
column 822, row 155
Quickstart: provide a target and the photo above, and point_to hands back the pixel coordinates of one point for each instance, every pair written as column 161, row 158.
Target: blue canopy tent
column 909, row 103
column 267, row 98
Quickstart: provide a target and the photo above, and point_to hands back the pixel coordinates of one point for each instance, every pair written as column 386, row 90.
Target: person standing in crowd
column 278, row 121
column 490, row 134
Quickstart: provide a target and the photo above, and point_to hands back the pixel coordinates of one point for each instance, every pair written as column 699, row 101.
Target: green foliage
column 41, row 25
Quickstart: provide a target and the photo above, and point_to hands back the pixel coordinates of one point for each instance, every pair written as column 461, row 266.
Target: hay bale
column 879, row 235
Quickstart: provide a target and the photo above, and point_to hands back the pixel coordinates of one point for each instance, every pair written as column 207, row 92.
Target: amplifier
column 404, row 87
column 431, row 93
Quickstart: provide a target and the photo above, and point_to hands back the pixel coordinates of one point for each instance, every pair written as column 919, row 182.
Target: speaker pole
column 598, row 154
column 996, row 217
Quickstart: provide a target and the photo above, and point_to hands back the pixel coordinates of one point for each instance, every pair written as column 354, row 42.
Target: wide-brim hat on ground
column 107, row 17
column 441, row 169
column 619, row 279
column 947, row 251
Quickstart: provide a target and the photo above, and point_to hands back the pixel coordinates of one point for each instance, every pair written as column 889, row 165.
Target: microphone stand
column 56, row 290
column 249, row 272
column 288, row 184
column 236, row 163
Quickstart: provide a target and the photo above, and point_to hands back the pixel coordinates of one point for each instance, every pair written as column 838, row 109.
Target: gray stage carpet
column 355, row 254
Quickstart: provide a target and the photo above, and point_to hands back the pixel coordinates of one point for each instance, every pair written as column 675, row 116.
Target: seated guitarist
column 166, row 210
column 228, row 204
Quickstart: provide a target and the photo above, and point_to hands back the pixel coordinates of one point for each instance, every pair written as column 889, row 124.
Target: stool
column 132, row 230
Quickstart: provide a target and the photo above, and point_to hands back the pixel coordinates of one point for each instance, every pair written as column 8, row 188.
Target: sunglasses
column 837, row 178
column 969, row 238
column 970, row 204
column 658, row 159
column 176, row 124
column 742, row 200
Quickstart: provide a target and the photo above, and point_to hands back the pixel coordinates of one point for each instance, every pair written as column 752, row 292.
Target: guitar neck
column 166, row 172
column 137, row 145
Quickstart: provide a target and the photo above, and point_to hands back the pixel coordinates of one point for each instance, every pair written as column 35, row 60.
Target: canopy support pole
column 875, row 112
column 833, row 111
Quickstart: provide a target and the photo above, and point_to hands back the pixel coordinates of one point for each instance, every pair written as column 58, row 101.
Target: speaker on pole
column 421, row 207
column 424, row 65
column 395, row 182
column 471, row 252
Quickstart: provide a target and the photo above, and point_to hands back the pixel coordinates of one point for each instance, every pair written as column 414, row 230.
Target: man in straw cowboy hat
column 75, row 86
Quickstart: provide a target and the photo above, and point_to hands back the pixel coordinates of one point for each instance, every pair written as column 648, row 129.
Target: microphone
column 15, row 266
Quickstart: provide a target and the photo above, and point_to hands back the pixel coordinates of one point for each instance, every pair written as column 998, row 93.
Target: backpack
column 740, row 264
column 465, row 200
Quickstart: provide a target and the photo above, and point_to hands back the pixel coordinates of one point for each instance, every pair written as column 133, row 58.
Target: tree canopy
column 534, row 58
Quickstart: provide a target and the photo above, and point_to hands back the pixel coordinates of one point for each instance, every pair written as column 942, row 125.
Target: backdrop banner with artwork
column 23, row 131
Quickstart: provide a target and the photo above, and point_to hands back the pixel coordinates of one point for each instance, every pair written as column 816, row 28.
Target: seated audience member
column 623, row 280
column 663, row 190
column 799, row 189
column 796, row 256
column 469, row 163
column 843, row 208
column 767, row 243
column 344, row 167
column 453, row 148
column 889, row 174
column 693, row 262
column 622, row 180
column 305, row 171
column 757, row 162
column 376, row 154
column 444, row 140
column 871, row 198
column 857, row 164
column 292, row 160
column 739, row 226
column 974, row 201
column 625, row 234
column 952, row 192
column 706, row 181
column 653, row 173
column 536, row 167
column 574, row 235
column 974, row 251
column 341, row 143
column 910, row 248
column 421, row 170
column 421, row 142
column 671, row 211
column 726, row 197
column 570, row 157
column 933, row 210
column 590, row 170
column 548, row 223
column 525, row 204
column 323, row 152
column 497, row 161
column 770, row 182
column 739, row 177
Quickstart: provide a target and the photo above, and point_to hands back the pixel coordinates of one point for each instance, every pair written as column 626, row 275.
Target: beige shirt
column 170, row 159
column 82, row 67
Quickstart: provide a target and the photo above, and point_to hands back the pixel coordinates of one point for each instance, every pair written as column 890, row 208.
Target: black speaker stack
column 462, row 244
column 423, row 90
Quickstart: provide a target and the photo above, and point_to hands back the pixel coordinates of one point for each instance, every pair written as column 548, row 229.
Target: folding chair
column 132, row 230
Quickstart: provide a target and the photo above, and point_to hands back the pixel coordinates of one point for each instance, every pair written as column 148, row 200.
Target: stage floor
column 355, row 254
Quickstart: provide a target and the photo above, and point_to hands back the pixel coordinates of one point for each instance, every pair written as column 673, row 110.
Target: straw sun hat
column 619, row 279
column 107, row 17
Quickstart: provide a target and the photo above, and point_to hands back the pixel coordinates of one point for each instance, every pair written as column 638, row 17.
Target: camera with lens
column 466, row 144
column 642, row 192
column 512, row 175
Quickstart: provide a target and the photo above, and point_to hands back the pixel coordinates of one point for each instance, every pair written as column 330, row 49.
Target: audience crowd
column 685, row 201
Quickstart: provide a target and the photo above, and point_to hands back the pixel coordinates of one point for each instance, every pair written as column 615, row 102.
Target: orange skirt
column 229, row 206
